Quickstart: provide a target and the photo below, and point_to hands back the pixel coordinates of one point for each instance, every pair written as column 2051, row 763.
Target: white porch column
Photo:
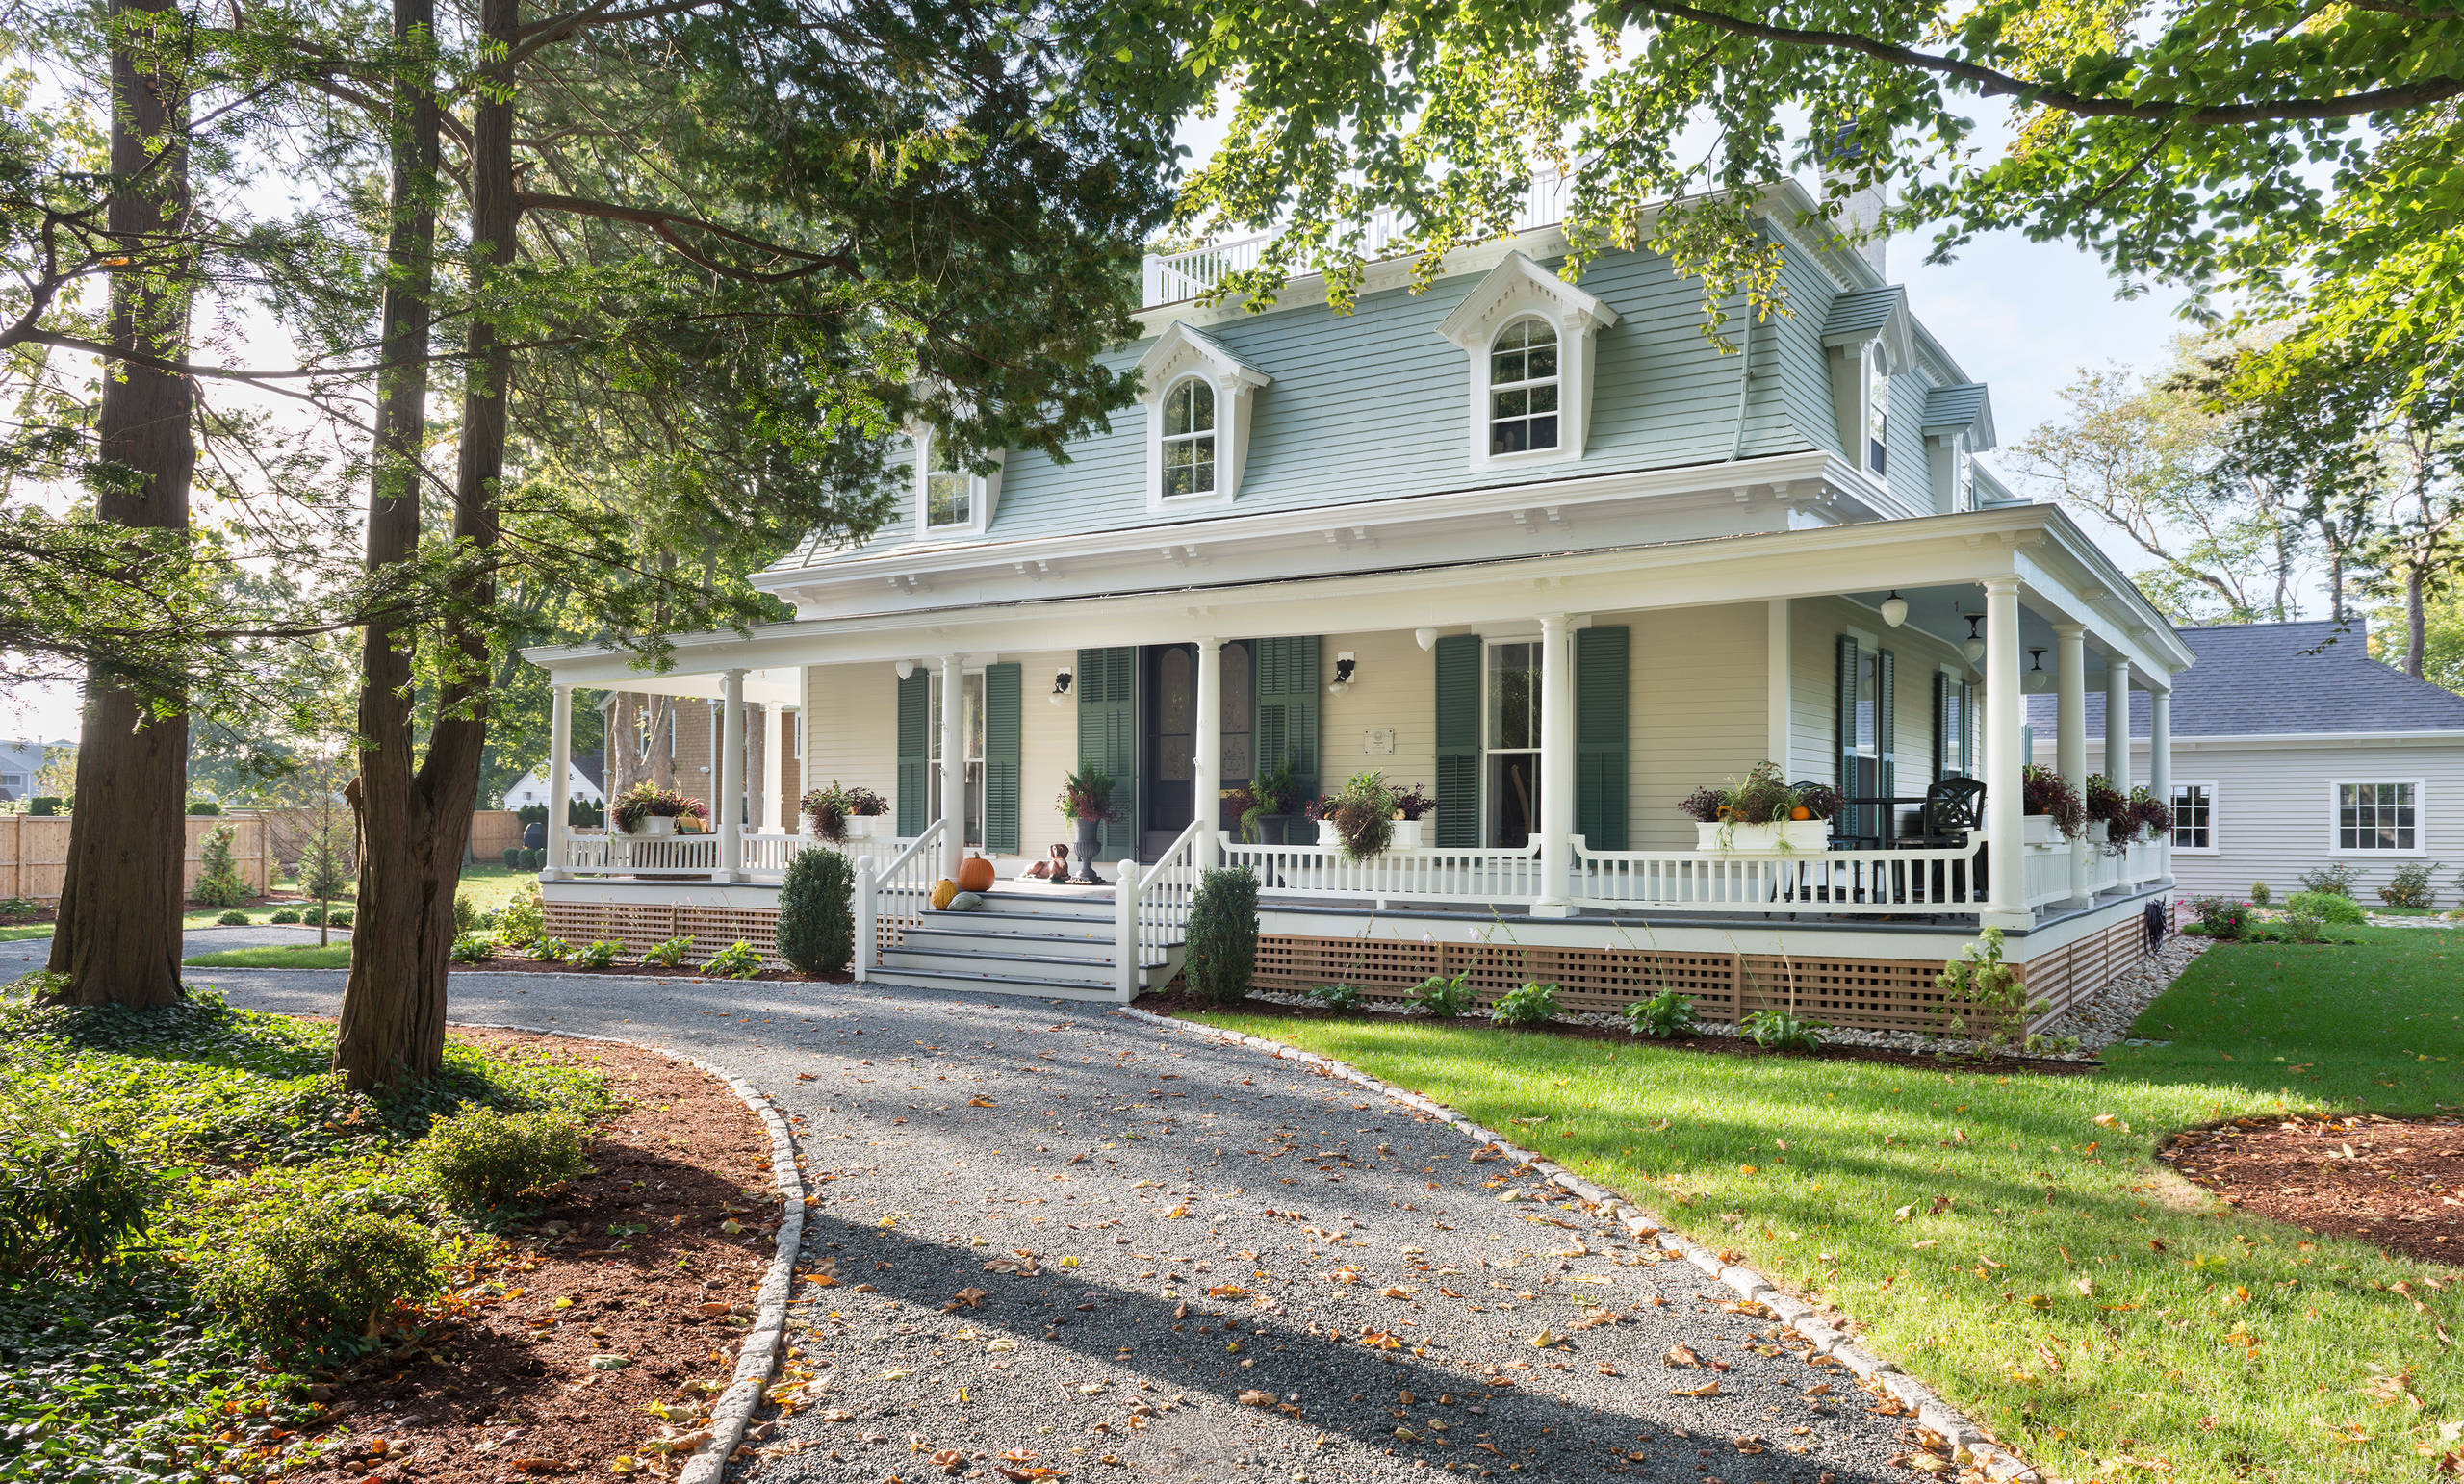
column 953, row 763
column 776, row 811
column 2117, row 722
column 1778, row 673
column 560, row 767
column 2005, row 807
column 2070, row 734
column 1557, row 767
column 1207, row 776
column 2159, row 763
column 729, row 804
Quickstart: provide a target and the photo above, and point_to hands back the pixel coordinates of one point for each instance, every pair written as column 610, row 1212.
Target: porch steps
column 1052, row 947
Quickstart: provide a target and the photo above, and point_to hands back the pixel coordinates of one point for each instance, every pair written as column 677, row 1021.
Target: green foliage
column 551, row 950
column 2222, row 918
column 523, row 920
column 47, row 804
column 19, row 909
column 1530, row 1004
column 513, row 857
column 1338, row 996
column 2328, row 907
column 324, row 865
column 736, row 960
column 2260, row 893
column 466, row 912
column 2302, row 923
column 1086, row 793
column 669, row 953
column 481, row 1158
column 338, row 917
column 1222, row 952
column 473, row 947
column 285, row 915
column 2336, row 881
column 1364, row 816
column 817, row 912
column 218, row 882
column 2410, row 886
column 296, row 1273
column 1780, row 1030
column 69, row 1195
column 1665, row 1017
column 1978, row 983
column 232, row 919
column 1442, row 997
column 314, row 916
column 203, row 808
column 597, row 956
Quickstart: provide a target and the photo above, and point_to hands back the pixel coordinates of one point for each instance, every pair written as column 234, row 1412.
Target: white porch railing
column 891, row 898
column 1428, row 874
column 1197, row 271
column 1830, row 880
column 599, row 854
column 1152, row 908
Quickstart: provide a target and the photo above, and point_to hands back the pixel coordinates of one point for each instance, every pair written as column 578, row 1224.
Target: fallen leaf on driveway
column 981, row 1102
column 1681, row 1355
column 1257, row 1399
column 1706, row 1389
column 1227, row 1290
column 949, row 1460
column 1396, row 1292
column 967, row 1299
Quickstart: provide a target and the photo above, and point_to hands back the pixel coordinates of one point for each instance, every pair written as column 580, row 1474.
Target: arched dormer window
column 949, row 491
column 1189, row 439
column 1524, row 406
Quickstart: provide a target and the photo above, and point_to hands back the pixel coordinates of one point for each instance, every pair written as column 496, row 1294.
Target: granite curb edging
column 1967, row 1441
column 757, row 1359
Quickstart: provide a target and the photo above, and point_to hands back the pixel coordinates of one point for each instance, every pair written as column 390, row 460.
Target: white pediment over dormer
column 1199, row 397
column 1541, row 413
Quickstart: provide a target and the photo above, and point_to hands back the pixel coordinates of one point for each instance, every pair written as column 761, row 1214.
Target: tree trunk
column 118, row 933
column 2416, row 628
column 393, row 1013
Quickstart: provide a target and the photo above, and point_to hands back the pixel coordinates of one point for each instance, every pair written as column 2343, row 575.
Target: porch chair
column 1952, row 808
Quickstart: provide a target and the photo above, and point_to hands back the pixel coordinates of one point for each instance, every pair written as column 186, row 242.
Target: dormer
column 952, row 502
column 1198, row 398
column 1958, row 425
column 1869, row 340
column 1529, row 334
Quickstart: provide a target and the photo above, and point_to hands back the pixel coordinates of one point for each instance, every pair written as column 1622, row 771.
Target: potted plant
column 647, row 810
column 1413, row 808
column 839, row 814
column 1321, row 810
column 1363, row 815
column 1761, row 813
column 1275, row 797
column 1087, row 796
column 2108, row 811
column 2053, row 808
column 2145, row 817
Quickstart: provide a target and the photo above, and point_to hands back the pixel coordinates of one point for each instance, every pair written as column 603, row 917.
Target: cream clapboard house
column 1533, row 545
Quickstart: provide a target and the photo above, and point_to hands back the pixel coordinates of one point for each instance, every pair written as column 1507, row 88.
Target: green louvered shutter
column 1107, row 737
column 914, row 753
column 1458, row 741
column 1847, row 751
column 1287, row 671
column 1602, row 682
column 1001, row 759
column 1967, row 729
column 1886, row 737
column 1946, row 760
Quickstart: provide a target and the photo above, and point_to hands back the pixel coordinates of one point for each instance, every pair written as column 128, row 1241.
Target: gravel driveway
column 1068, row 1241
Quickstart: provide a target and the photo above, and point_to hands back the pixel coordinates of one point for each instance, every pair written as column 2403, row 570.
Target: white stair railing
column 893, row 898
column 1151, row 909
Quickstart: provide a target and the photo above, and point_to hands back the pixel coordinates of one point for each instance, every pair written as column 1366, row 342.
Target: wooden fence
column 34, row 852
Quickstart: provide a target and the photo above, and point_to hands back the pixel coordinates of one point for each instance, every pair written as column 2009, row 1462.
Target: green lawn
column 491, row 887
column 2034, row 1263
column 291, row 956
column 488, row 886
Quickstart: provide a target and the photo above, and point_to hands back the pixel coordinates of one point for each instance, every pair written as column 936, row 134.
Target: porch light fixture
column 1974, row 648
column 2037, row 677
column 906, row 668
column 1426, row 638
column 1344, row 667
column 1061, row 680
column 1894, row 609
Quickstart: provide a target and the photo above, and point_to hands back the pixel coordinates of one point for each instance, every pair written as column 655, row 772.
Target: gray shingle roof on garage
column 2256, row 680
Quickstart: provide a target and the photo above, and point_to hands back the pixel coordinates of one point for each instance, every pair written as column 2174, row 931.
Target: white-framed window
column 1524, row 389
column 1876, row 411
column 951, row 500
column 1510, row 742
column 2195, row 818
column 1189, row 439
column 1962, row 477
column 971, row 726
column 2377, row 818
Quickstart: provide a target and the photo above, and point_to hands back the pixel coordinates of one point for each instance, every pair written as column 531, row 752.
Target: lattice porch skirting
column 638, row 925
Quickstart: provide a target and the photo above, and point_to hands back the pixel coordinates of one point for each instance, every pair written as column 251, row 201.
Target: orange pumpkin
column 975, row 874
column 1801, row 812
column 942, row 891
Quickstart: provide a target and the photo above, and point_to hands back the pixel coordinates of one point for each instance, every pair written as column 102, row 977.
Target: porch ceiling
column 2064, row 577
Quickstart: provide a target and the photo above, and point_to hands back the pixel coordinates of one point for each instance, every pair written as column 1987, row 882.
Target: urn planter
column 1793, row 836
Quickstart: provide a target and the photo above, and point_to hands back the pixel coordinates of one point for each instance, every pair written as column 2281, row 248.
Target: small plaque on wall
column 1378, row 741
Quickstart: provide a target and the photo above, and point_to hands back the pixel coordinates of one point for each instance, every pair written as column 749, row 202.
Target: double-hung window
column 2380, row 817
column 2194, row 816
column 1523, row 388
column 949, row 491
column 1189, row 439
column 1877, row 412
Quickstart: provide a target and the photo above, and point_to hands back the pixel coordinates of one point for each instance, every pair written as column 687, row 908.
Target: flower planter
column 1284, row 829
column 653, row 827
column 1409, row 833
column 2039, row 830
column 1327, row 834
column 867, row 827
column 1793, row 836
column 2099, row 829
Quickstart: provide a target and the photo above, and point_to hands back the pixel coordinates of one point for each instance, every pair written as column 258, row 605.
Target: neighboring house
column 583, row 782
column 21, row 765
column 2293, row 750
column 1534, row 545
column 671, row 739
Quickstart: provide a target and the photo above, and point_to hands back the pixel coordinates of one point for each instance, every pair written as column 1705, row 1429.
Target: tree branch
column 665, row 223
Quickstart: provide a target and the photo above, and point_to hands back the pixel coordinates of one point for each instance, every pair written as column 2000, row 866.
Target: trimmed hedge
column 817, row 913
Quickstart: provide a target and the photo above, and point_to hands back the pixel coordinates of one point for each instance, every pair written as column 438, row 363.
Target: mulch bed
column 631, row 1261
column 1189, row 1008
column 2398, row 1183
column 505, row 965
